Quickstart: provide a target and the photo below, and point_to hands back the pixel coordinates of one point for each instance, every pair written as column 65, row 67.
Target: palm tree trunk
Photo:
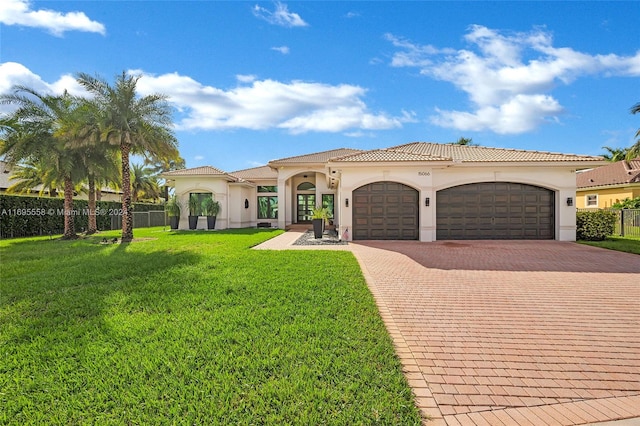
column 69, row 227
column 127, row 214
column 93, row 226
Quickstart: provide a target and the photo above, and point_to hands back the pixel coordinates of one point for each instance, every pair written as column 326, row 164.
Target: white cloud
column 296, row 106
column 199, row 157
column 13, row 73
column 507, row 77
column 280, row 16
column 246, row 78
column 19, row 12
column 282, row 49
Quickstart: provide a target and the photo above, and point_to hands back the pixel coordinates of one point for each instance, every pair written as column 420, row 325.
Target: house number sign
column 424, row 173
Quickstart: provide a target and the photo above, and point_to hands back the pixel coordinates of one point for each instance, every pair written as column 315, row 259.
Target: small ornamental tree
column 628, row 203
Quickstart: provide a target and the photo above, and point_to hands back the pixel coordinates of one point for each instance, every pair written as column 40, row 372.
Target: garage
column 385, row 211
column 495, row 211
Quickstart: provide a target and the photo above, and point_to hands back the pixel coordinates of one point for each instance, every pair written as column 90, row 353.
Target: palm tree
column 34, row 133
column 465, row 141
column 33, row 173
column 143, row 183
column 100, row 159
column 160, row 166
column 634, row 150
column 615, row 154
column 141, row 125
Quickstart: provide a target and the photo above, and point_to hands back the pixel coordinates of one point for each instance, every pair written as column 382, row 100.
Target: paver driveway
column 514, row 333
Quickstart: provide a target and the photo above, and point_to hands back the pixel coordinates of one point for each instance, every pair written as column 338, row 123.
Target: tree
column 615, row 154
column 465, row 141
column 137, row 125
column 144, row 184
column 34, row 132
column 634, row 150
column 628, row 203
column 33, row 173
column 160, row 166
column 100, row 160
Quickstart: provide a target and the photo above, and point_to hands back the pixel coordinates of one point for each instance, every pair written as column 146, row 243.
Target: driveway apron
column 511, row 332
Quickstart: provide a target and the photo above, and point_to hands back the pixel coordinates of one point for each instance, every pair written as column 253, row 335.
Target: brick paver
column 513, row 333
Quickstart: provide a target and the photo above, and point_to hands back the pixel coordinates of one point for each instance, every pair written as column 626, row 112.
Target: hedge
column 595, row 225
column 23, row 216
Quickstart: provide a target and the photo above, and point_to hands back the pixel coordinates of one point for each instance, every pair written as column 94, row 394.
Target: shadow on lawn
column 54, row 286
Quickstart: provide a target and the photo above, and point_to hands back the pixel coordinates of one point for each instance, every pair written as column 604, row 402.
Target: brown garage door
column 385, row 211
column 495, row 211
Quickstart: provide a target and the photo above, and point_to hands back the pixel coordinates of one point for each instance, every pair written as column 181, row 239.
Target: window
column 327, row 203
column 306, row 186
column 592, row 200
column 267, row 207
column 267, row 188
column 200, row 196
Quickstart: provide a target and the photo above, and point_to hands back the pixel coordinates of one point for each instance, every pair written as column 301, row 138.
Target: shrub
column 22, row 216
column 595, row 225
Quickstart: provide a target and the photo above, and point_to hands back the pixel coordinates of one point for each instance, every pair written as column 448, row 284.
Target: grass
column 625, row 244
column 192, row 328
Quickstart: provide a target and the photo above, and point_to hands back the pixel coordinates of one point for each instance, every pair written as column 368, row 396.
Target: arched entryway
column 495, row 211
column 385, row 211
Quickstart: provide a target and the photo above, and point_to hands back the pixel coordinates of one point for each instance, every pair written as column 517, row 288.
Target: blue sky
column 255, row 81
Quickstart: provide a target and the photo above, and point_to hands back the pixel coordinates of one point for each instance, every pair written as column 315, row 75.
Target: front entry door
column 306, row 204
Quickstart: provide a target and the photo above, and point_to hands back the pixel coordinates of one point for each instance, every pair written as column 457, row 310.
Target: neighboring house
column 604, row 186
column 418, row 191
column 106, row 194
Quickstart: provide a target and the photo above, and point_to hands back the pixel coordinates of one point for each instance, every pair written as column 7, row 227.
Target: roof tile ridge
column 420, row 154
column 313, row 153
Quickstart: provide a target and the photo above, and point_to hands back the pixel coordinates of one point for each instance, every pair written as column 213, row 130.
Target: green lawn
column 626, row 244
column 192, row 328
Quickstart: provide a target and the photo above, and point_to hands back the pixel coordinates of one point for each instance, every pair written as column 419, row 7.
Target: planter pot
column 318, row 225
column 173, row 221
column 193, row 222
column 211, row 222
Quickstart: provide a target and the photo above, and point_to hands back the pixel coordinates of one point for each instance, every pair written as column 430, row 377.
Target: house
column 604, row 186
column 417, row 191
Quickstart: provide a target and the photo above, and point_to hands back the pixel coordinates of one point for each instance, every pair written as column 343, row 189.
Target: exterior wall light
column 569, row 201
column 427, row 201
column 346, row 202
column 246, row 203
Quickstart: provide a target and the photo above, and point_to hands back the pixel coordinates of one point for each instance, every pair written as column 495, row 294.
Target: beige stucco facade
column 428, row 179
column 304, row 178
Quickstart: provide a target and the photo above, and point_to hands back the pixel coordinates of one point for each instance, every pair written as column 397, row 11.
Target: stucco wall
column 606, row 196
column 239, row 216
column 217, row 186
column 430, row 179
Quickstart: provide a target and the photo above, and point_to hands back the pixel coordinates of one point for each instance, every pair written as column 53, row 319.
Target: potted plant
column 194, row 210
column 173, row 208
column 210, row 208
column 318, row 216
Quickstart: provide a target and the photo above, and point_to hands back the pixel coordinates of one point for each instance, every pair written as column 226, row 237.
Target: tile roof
column 618, row 173
column 467, row 153
column 196, row 171
column 317, row 157
column 387, row 155
column 262, row 172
